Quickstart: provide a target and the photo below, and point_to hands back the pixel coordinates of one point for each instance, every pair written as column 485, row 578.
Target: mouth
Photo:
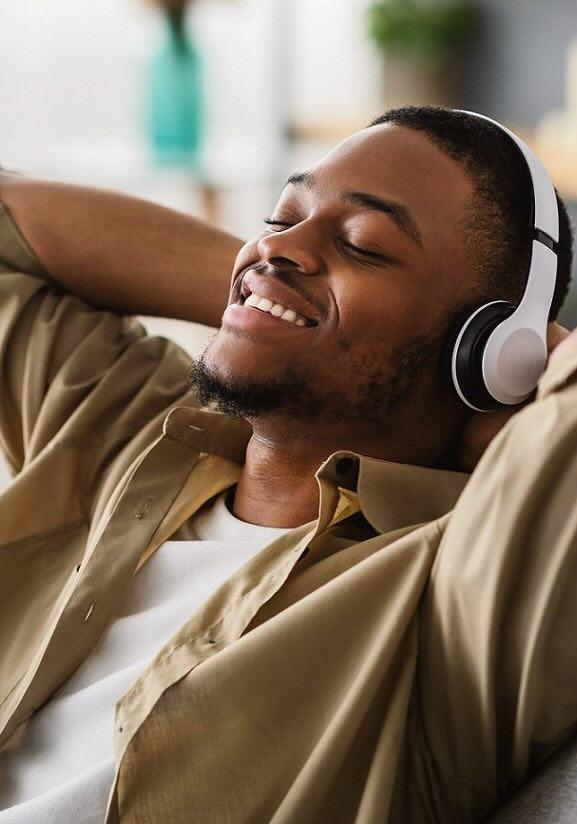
column 275, row 310
column 269, row 296
column 253, row 320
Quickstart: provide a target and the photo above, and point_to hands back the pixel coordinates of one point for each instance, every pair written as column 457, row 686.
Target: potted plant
column 422, row 41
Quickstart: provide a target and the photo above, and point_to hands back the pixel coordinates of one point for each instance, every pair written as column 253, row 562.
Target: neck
column 277, row 485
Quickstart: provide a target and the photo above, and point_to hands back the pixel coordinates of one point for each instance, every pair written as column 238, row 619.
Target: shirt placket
column 225, row 616
column 95, row 587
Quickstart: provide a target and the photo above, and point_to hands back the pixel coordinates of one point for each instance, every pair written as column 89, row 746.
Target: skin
column 374, row 313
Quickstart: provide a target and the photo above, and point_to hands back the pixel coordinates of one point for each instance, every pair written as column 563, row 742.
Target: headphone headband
column 545, row 211
column 500, row 350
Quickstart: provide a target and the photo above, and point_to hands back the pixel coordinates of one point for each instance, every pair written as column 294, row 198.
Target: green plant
column 423, row 29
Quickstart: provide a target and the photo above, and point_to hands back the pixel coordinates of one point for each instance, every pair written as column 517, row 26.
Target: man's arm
column 75, row 265
column 498, row 657
column 121, row 253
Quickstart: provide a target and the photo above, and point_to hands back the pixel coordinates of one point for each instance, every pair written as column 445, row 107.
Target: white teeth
column 265, row 304
column 275, row 309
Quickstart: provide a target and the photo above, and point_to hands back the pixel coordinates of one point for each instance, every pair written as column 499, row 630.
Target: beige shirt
column 407, row 656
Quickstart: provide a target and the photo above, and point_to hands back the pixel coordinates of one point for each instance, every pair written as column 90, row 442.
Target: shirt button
column 142, row 508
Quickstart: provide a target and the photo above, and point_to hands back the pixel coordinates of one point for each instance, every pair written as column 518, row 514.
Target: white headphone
column 500, row 349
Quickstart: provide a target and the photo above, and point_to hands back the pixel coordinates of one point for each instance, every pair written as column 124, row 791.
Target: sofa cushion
column 550, row 797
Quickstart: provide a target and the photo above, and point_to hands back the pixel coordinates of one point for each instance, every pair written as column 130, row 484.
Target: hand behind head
column 481, row 427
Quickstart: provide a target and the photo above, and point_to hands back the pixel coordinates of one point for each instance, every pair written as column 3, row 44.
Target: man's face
column 365, row 246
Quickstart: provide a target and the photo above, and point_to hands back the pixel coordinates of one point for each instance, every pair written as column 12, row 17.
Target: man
column 396, row 645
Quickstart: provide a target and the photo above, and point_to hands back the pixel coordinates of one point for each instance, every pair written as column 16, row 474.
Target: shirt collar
column 391, row 495
column 394, row 495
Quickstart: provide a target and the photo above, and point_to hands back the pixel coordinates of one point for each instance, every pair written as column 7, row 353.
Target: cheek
column 376, row 318
column 247, row 254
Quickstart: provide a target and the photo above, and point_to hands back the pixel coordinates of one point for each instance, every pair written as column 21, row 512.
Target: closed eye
column 364, row 252
column 272, row 222
column 350, row 246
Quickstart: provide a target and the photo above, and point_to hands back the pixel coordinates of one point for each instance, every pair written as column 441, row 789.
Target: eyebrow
column 370, row 203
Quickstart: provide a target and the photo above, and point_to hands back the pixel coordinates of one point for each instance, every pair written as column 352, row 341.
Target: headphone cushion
column 468, row 349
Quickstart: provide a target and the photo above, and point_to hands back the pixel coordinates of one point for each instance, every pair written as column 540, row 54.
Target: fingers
column 556, row 334
column 567, row 347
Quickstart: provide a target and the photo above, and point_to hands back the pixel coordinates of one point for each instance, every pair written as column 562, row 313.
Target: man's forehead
column 398, row 165
column 385, row 155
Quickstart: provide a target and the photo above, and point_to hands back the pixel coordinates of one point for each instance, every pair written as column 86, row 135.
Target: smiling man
column 394, row 235
column 358, row 268
column 263, row 587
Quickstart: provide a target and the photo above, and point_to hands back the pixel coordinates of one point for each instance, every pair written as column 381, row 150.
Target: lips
column 268, row 287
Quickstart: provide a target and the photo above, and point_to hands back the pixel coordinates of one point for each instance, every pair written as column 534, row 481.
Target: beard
column 373, row 395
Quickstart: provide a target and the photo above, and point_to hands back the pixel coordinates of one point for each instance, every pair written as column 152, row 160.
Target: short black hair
column 497, row 232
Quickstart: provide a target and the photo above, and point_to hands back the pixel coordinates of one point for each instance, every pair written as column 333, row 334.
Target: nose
column 295, row 247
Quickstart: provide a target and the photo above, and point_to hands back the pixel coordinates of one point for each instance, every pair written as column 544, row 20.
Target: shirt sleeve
column 68, row 369
column 497, row 689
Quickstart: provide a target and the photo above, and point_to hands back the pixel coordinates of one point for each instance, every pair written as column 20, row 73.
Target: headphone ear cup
column 466, row 348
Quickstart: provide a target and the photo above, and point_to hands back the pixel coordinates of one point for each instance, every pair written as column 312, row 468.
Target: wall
column 71, row 77
column 516, row 70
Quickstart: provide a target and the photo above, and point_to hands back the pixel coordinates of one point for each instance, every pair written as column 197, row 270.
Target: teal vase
column 175, row 98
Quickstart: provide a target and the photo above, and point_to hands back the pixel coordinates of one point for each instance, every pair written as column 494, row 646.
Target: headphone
column 500, row 350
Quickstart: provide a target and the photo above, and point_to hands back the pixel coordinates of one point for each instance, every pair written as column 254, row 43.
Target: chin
column 229, row 381
column 234, row 358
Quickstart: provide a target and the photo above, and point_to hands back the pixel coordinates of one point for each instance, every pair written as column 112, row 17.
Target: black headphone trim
column 545, row 239
column 469, row 355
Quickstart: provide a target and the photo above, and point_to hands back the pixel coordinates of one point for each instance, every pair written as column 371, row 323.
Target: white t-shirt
column 63, row 768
